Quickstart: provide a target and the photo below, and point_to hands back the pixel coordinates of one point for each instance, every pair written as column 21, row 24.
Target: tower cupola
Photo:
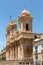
column 25, row 21
column 11, row 29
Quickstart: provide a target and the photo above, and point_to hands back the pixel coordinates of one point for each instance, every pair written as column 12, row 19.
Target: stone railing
column 16, row 62
column 20, row 63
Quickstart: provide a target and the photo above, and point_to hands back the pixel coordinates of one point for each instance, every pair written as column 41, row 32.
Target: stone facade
column 38, row 50
column 19, row 43
column 19, row 39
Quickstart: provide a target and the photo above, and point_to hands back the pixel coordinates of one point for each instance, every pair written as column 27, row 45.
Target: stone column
column 16, row 52
column 11, row 53
column 8, row 55
column 20, row 52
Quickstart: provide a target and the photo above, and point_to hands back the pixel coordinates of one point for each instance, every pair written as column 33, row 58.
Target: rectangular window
column 42, row 62
column 42, row 45
column 42, row 57
column 36, row 49
column 36, row 58
column 27, row 26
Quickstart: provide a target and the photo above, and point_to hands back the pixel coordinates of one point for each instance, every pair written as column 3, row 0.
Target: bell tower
column 10, row 36
column 25, row 21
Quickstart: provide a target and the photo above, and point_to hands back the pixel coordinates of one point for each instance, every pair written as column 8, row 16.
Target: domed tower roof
column 25, row 11
column 10, row 25
column 25, row 14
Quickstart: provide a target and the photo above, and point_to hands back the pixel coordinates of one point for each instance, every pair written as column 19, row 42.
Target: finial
column 25, row 7
column 10, row 18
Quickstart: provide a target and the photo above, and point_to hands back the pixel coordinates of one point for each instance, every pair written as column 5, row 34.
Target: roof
column 25, row 14
column 38, row 42
column 25, row 11
column 12, row 22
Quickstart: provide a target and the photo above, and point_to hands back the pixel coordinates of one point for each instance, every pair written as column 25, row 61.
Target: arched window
column 35, row 36
column 27, row 27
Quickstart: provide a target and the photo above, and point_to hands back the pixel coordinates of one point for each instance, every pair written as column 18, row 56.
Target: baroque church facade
column 19, row 43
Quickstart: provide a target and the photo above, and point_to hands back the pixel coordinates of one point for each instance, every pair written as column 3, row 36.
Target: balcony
column 28, row 35
column 25, row 35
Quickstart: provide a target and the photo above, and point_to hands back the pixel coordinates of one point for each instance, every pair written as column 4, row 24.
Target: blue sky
column 13, row 8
